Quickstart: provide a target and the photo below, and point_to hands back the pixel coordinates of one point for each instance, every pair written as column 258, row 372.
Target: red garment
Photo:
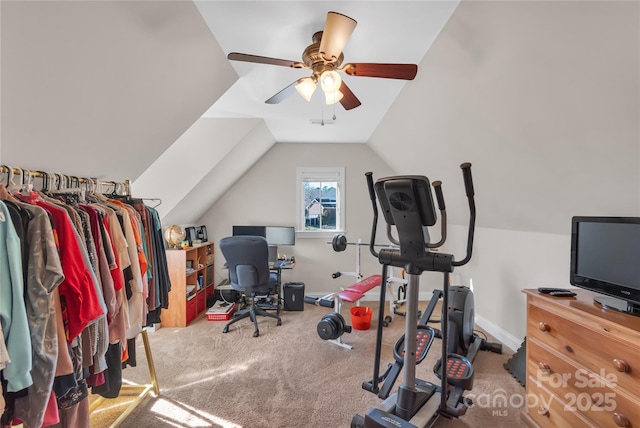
column 78, row 288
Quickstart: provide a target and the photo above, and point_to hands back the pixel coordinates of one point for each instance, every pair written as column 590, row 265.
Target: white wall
column 504, row 263
column 266, row 195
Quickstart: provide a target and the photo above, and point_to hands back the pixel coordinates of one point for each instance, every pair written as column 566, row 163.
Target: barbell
column 339, row 243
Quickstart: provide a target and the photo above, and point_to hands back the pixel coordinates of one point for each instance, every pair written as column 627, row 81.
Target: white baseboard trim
column 499, row 333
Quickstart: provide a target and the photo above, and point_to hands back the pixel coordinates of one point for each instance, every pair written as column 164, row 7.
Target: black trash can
column 294, row 296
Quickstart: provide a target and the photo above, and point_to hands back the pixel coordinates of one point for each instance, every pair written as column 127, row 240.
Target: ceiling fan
column 324, row 58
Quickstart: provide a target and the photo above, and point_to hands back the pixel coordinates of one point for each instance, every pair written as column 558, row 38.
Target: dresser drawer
column 549, row 410
column 598, row 351
column 581, row 390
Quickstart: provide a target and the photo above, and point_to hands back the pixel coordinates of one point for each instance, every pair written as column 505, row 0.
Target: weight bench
column 355, row 292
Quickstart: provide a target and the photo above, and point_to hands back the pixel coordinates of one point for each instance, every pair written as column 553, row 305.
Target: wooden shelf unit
column 184, row 309
column 583, row 363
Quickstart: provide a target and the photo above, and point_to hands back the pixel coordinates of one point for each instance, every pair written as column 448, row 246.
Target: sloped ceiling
column 102, row 89
column 543, row 98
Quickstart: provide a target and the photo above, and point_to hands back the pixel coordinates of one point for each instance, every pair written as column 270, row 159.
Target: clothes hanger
column 26, row 188
column 4, row 189
column 12, row 187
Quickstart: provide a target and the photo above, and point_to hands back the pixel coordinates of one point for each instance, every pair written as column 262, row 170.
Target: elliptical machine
column 407, row 204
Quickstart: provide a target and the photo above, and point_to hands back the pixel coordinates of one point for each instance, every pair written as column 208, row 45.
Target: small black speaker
column 294, row 296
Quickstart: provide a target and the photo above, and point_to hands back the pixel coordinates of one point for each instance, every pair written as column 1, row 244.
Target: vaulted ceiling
column 386, row 32
column 543, row 95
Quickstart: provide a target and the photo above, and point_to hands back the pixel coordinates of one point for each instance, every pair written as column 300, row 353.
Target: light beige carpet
column 289, row 377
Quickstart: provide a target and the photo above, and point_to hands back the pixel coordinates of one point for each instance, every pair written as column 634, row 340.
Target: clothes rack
column 141, row 390
column 96, row 183
column 119, row 188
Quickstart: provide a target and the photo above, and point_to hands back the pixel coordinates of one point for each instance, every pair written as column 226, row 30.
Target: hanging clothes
column 13, row 314
column 44, row 274
column 79, row 278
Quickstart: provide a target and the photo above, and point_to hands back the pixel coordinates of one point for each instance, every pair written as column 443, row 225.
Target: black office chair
column 248, row 262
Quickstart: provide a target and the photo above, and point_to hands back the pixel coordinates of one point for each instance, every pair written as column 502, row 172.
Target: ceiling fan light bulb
column 330, row 81
column 306, row 87
column 333, row 97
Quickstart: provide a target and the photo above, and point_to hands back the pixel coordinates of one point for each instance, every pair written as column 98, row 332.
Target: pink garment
column 51, row 415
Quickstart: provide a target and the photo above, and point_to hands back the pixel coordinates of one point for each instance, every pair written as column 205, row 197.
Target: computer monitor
column 275, row 235
column 250, row 230
column 281, row 235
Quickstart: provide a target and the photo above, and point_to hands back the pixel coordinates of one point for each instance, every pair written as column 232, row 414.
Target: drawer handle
column 620, row 365
column 543, row 326
column 544, row 367
column 543, row 411
column 621, row 420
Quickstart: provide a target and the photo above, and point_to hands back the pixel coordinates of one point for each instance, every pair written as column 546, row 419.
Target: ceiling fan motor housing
column 312, row 58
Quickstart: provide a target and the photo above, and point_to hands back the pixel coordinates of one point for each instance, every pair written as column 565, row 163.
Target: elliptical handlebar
column 468, row 186
column 437, row 187
column 372, row 196
column 468, row 181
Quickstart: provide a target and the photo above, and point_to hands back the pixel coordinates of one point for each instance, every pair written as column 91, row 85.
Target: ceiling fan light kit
column 333, row 97
column 306, row 87
column 324, row 58
column 330, row 81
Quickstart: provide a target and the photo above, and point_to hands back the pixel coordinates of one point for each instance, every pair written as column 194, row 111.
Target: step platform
column 459, row 371
column 424, row 339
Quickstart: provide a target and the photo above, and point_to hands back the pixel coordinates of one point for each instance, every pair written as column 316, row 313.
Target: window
column 320, row 200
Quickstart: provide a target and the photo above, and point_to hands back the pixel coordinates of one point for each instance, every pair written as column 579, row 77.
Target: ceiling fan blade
column 283, row 94
column 387, row 71
column 236, row 56
column 336, row 33
column 349, row 100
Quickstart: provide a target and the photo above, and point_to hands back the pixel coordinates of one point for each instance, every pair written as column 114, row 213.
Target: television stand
column 582, row 365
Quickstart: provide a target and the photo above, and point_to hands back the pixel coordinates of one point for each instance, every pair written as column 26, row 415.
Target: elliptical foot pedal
column 424, row 338
column 459, row 371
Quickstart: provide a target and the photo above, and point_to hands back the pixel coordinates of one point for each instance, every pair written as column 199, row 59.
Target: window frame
column 307, row 173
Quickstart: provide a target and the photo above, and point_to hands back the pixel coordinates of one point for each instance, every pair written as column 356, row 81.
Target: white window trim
column 336, row 174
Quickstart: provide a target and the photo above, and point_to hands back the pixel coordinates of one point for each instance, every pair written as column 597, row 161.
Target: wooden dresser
column 583, row 363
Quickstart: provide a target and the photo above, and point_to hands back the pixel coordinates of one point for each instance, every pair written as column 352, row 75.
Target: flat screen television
column 605, row 258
